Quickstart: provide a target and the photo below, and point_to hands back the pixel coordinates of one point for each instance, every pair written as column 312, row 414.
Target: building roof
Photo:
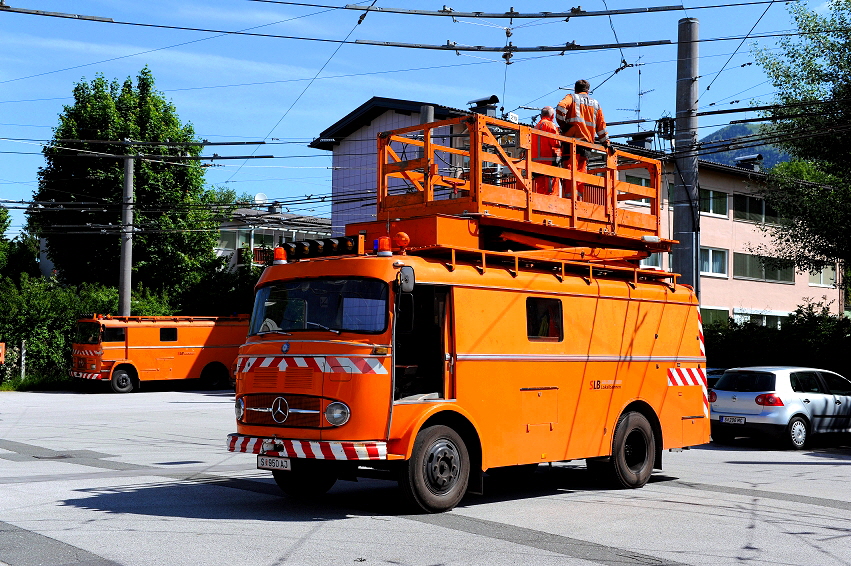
column 264, row 217
column 372, row 109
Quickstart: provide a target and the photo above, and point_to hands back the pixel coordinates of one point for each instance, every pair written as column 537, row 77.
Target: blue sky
column 239, row 87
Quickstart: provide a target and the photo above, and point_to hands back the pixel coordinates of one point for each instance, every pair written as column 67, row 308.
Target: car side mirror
column 405, row 279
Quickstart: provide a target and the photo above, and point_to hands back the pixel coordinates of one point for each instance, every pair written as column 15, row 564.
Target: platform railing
column 479, row 165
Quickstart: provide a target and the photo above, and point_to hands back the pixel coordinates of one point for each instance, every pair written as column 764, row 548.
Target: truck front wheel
column 435, row 478
column 122, row 381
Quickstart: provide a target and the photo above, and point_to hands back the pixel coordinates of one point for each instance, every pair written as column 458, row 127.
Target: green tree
column 812, row 193
column 175, row 217
column 5, row 222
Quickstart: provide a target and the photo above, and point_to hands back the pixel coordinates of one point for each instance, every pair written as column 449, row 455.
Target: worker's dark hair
column 582, row 86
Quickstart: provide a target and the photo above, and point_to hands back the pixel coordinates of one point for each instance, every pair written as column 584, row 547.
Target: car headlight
column 239, row 409
column 337, row 413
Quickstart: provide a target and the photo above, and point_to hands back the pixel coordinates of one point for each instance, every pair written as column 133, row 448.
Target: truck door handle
column 806, row 400
column 838, row 402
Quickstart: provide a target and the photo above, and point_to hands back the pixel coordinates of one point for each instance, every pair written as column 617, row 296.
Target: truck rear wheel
column 435, row 478
column 122, row 381
column 307, row 478
column 633, row 453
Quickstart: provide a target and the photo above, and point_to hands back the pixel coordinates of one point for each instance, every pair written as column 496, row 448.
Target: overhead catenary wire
column 322, row 68
column 158, row 48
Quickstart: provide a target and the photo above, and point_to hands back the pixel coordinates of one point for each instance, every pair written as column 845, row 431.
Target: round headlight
column 239, row 409
column 337, row 413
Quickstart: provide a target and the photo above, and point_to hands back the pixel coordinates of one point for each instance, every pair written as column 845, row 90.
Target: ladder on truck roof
column 480, row 169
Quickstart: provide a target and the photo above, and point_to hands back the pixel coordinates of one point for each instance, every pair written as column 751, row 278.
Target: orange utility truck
column 126, row 350
column 476, row 324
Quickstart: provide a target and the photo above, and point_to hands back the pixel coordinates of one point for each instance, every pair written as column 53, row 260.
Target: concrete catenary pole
column 685, row 198
column 124, row 277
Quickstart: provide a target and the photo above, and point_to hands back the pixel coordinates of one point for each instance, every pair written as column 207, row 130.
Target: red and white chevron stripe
column 85, row 352
column 700, row 332
column 690, row 377
column 83, row 375
column 325, row 364
column 319, row 450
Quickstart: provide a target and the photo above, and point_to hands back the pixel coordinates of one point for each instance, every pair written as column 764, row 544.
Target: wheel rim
column 442, row 466
column 798, row 433
column 635, row 450
column 123, row 381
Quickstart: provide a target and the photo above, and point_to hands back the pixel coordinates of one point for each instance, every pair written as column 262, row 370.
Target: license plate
column 272, row 463
column 732, row 420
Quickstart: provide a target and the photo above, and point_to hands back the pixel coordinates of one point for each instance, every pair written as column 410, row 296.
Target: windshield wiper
column 273, row 332
column 322, row 326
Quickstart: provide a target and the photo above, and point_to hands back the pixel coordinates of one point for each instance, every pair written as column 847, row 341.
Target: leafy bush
column 811, row 336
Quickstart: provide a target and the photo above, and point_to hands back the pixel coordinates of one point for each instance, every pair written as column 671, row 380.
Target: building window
column 760, row 319
column 824, row 278
column 243, row 238
column 747, row 266
column 753, row 209
column 227, row 240
column 654, row 260
column 168, row 334
column 544, row 320
column 714, row 316
column 713, row 202
column 713, row 261
column 638, row 181
column 263, row 240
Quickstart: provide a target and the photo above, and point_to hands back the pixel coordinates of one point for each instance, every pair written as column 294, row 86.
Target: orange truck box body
column 156, row 348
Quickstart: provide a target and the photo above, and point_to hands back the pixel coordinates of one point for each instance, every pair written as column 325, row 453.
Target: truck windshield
column 87, row 333
column 332, row 305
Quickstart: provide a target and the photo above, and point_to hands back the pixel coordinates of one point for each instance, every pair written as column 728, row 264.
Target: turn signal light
column 712, row 396
column 768, row 400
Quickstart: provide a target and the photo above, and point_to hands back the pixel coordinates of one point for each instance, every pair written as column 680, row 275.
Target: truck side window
column 544, row 320
column 168, row 334
column 112, row 334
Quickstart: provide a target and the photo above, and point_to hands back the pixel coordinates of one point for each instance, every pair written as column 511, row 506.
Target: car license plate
column 273, row 463
column 732, row 420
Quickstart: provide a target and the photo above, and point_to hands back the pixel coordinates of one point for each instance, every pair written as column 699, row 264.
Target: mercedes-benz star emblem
column 280, row 410
column 285, row 347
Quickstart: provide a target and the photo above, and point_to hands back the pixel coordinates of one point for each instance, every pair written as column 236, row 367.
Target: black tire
column 435, row 478
column 307, row 479
column 633, row 454
column 214, row 376
column 797, row 434
column 122, row 381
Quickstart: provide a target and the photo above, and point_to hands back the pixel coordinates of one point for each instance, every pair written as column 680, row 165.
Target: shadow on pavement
column 261, row 500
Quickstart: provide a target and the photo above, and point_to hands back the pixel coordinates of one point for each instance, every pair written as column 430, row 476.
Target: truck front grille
column 264, row 402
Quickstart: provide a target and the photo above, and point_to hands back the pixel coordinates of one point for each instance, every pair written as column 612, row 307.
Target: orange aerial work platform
column 475, row 325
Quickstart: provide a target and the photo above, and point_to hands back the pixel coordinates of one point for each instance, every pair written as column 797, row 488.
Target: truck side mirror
column 405, row 279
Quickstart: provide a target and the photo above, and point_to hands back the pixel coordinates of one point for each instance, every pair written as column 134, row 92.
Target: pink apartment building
column 733, row 281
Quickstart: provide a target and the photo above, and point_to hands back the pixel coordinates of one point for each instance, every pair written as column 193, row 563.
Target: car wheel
column 435, row 478
column 214, row 376
column 797, row 433
column 307, row 479
column 121, row 381
column 633, row 454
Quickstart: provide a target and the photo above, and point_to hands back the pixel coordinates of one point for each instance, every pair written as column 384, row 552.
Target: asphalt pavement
column 94, row 478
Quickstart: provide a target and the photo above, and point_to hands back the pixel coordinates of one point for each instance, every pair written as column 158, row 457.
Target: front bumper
column 319, row 450
column 85, row 375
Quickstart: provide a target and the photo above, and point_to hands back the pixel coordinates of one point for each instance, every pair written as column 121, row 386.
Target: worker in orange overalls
column 546, row 150
column 580, row 116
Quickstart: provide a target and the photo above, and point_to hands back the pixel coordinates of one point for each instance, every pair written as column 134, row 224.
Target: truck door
column 423, row 358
